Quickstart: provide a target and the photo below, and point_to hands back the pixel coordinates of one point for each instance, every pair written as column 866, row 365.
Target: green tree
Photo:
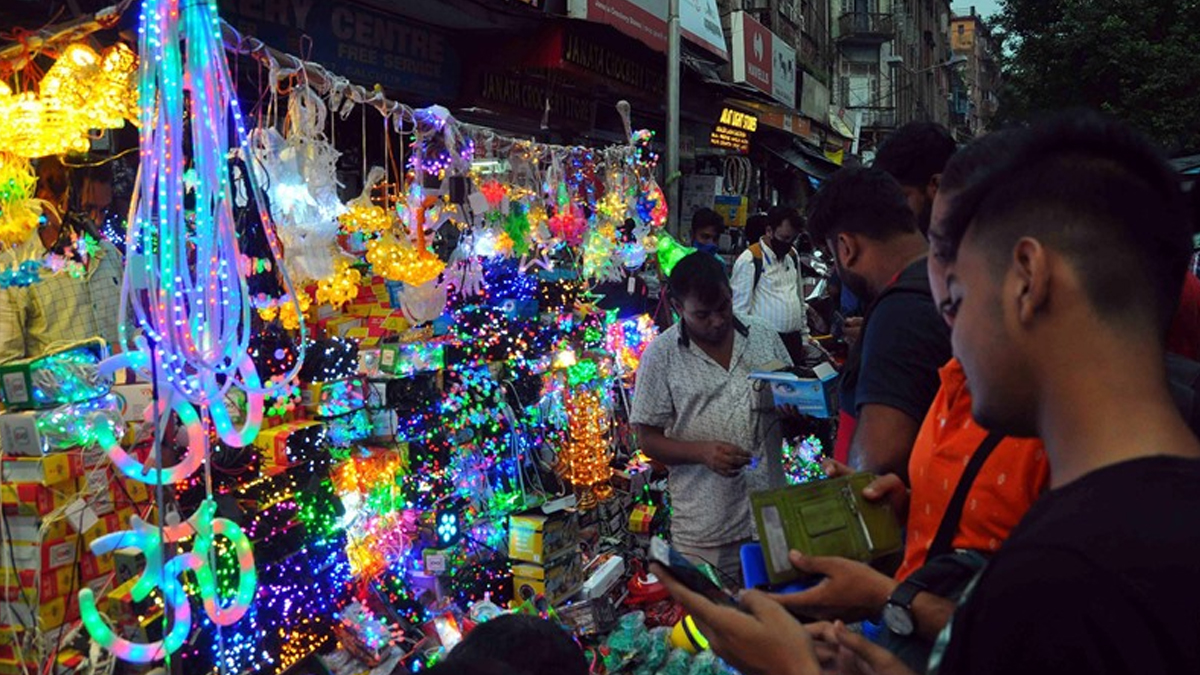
column 1136, row 59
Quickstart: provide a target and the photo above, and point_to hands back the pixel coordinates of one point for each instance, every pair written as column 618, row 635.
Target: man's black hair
column 530, row 645
column 756, row 227
column 915, row 152
column 707, row 219
column 979, row 157
column 700, row 276
column 778, row 214
column 860, row 201
column 1097, row 192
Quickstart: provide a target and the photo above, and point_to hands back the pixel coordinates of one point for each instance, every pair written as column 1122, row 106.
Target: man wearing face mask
column 891, row 375
column 707, row 226
column 768, row 284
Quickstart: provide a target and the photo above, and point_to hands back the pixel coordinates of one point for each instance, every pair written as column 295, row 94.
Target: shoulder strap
column 756, row 256
column 944, row 538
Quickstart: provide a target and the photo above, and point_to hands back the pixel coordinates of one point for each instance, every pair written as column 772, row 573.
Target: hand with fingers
column 761, row 638
column 888, row 488
column 845, row 652
column 850, row 590
column 723, row 459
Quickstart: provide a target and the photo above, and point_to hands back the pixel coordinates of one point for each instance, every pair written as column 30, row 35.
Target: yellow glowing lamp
column 686, row 636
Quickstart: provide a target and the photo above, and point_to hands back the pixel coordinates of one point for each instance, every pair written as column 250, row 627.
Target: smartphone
column 688, row 574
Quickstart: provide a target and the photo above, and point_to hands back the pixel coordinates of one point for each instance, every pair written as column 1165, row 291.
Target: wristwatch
column 897, row 613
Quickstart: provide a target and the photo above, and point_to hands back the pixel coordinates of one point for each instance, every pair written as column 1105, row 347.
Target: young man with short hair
column 707, row 226
column 696, row 410
column 768, row 283
column 915, row 155
column 891, row 375
column 1063, row 272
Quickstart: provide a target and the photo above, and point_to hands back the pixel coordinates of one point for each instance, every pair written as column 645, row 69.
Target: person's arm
column 722, row 458
column 904, row 345
column 742, row 282
column 931, row 614
column 883, row 440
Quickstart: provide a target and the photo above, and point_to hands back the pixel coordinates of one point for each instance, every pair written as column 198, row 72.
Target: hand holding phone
column 688, row 574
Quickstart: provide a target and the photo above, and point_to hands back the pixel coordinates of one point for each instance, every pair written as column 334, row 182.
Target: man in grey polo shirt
column 697, row 411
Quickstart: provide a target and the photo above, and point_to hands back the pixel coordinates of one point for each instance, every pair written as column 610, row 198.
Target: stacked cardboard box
column 545, row 553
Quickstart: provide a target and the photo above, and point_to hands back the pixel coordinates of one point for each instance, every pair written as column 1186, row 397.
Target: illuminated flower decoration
column 494, row 192
column 627, row 341
column 19, row 214
column 569, row 226
column 368, row 219
column 285, row 310
column 652, row 206
column 341, row 288
column 397, row 260
column 611, row 206
column 516, row 226
column 598, row 252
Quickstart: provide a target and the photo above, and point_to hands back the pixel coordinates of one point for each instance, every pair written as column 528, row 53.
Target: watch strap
column 905, row 593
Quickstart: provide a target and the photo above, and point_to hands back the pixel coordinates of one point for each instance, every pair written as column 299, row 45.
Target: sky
column 984, row 8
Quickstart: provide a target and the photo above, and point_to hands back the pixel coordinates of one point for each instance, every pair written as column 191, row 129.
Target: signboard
column 733, row 130
column 578, row 50
column 566, row 109
column 762, row 59
column 362, row 45
column 814, row 97
column 646, row 20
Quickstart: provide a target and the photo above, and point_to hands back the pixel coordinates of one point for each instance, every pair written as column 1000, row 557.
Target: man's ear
column 931, row 188
column 849, row 248
column 1031, row 267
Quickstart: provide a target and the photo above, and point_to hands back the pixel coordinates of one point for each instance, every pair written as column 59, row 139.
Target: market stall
column 336, row 427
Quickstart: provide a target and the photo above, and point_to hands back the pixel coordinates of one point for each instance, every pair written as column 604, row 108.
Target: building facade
column 893, row 65
column 977, row 83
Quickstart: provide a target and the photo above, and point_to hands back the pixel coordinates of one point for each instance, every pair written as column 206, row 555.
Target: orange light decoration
column 584, row 458
column 83, row 90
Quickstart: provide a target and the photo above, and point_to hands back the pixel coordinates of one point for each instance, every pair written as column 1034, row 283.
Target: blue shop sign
column 362, row 45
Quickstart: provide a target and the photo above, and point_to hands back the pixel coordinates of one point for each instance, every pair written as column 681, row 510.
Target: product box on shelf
column 557, row 580
column 35, row 499
column 50, row 554
column 537, row 537
column 48, row 470
column 28, row 585
column 33, row 529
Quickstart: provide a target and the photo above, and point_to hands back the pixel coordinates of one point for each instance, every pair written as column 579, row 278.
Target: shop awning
column 808, row 161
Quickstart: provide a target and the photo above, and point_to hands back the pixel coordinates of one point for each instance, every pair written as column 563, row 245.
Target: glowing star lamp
column 670, row 252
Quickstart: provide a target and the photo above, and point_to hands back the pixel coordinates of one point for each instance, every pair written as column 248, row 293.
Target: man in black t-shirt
column 891, row 375
column 1063, row 270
